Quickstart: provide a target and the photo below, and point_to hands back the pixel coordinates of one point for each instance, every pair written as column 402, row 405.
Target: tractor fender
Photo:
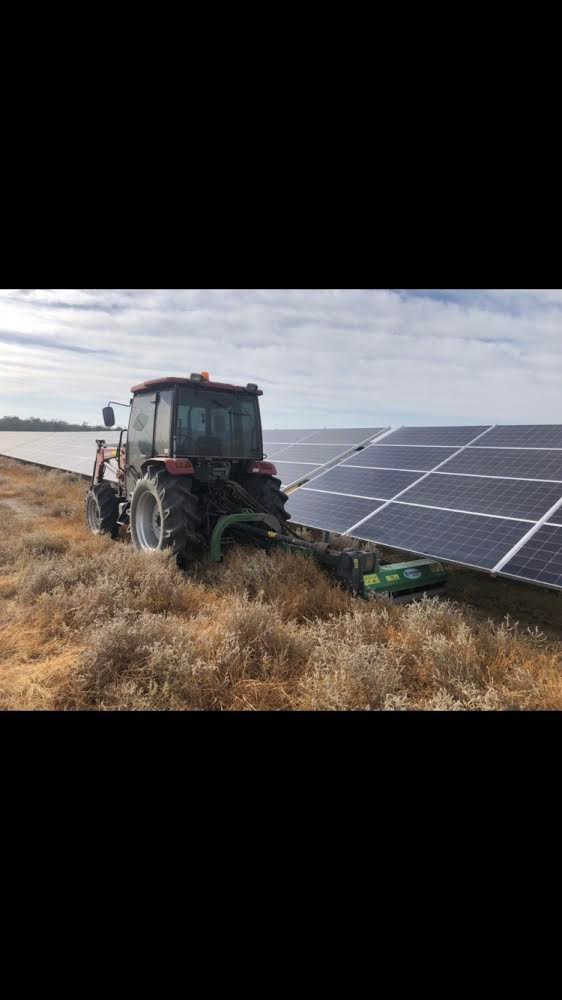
column 175, row 466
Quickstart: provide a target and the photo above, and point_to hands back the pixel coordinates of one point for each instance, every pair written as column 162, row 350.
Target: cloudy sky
column 323, row 358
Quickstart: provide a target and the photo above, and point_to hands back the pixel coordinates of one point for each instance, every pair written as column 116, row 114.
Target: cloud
column 323, row 357
column 29, row 340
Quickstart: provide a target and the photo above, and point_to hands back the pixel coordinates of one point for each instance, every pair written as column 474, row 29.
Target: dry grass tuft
column 42, row 543
column 87, row 623
column 290, row 583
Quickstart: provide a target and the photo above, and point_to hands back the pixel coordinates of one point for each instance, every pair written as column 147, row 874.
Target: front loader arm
column 104, row 454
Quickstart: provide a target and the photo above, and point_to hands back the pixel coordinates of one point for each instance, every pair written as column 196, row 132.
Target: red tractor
column 193, row 454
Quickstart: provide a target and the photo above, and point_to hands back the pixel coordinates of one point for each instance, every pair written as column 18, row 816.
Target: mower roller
column 192, row 475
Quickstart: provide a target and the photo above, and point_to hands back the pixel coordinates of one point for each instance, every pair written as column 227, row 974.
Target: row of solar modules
column 71, row 451
column 488, row 497
column 300, row 454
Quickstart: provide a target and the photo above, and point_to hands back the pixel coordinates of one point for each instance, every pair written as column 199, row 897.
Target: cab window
column 162, row 423
column 217, row 424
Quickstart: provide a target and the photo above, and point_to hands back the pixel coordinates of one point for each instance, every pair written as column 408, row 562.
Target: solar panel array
column 303, row 452
column 300, row 454
column 488, row 497
column 70, row 451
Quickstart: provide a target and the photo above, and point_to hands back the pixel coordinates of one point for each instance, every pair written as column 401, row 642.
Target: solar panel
column 11, row 439
column 385, row 456
column 290, row 473
column 470, row 539
column 328, row 511
column 381, row 484
column 273, row 448
column 344, row 435
column 287, row 436
column 69, row 451
column 300, row 459
column 526, row 436
column 520, row 498
column 312, row 454
column 540, row 559
column 456, row 436
column 514, row 462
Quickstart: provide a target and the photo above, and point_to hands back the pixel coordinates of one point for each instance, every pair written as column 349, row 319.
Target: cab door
column 149, row 431
column 140, row 438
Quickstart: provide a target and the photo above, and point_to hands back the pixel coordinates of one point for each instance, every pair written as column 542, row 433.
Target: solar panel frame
column 469, row 539
column 420, row 458
column 292, row 475
column 327, row 511
column 272, row 450
column 288, row 436
column 376, row 484
column 457, row 437
column 539, row 560
column 12, row 439
column 522, row 499
column 290, row 472
column 542, row 465
column 526, row 436
column 66, row 451
column 319, row 454
column 345, row 435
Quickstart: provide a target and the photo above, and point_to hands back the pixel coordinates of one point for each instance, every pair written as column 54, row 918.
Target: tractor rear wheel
column 102, row 510
column 165, row 514
column 267, row 491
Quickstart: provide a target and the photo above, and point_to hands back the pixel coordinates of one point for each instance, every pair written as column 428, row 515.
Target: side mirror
column 108, row 416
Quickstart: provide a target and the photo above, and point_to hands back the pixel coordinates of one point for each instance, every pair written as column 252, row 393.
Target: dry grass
column 86, row 623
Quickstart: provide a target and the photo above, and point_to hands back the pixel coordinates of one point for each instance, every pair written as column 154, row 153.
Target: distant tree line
column 37, row 424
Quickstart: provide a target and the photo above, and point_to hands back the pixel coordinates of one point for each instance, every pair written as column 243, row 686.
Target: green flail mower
column 359, row 570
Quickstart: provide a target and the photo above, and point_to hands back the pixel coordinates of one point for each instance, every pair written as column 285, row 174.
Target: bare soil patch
column 19, row 506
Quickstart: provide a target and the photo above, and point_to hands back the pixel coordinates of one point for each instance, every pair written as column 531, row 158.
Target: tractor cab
column 196, row 419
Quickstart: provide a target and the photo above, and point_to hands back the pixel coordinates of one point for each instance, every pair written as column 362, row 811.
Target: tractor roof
column 200, row 384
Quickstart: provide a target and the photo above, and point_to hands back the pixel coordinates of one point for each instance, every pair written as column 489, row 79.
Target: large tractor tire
column 267, row 491
column 102, row 510
column 164, row 514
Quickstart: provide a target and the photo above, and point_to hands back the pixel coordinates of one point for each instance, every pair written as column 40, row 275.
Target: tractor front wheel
column 164, row 514
column 102, row 510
